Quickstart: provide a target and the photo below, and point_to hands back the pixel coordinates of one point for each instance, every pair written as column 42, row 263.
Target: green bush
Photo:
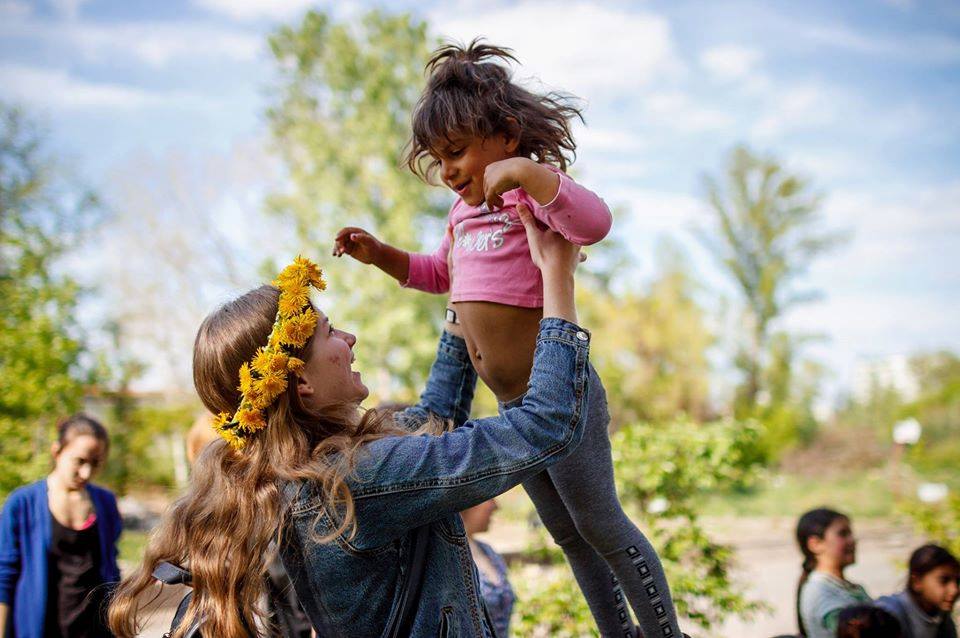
column 663, row 474
column 550, row 604
column 940, row 522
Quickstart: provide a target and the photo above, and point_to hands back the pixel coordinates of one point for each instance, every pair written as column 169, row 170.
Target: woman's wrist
column 558, row 295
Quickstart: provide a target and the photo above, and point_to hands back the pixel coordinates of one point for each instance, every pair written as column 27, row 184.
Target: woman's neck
column 55, row 484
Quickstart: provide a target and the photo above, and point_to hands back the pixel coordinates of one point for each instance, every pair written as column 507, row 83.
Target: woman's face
column 937, row 589
column 328, row 378
column 838, row 545
column 476, row 520
column 79, row 460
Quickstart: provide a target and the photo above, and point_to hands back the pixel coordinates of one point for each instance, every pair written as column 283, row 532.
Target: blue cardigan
column 24, row 543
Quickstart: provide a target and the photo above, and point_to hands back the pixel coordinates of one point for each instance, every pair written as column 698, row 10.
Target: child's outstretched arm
column 429, row 273
column 367, row 249
column 575, row 212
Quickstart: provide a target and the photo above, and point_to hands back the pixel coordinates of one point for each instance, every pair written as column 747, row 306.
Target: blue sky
column 862, row 97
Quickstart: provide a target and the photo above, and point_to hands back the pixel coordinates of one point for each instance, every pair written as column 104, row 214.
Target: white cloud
column 583, row 48
column 931, row 48
column 730, row 61
column 12, row 9
column 254, row 9
column 68, row 9
column 156, row 44
column 923, row 213
column 679, row 111
column 654, row 211
column 598, row 139
column 797, row 107
column 56, row 89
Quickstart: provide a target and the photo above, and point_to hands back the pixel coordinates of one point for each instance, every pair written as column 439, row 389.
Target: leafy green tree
column 766, row 233
column 41, row 344
column 340, row 125
column 937, row 408
column 650, row 344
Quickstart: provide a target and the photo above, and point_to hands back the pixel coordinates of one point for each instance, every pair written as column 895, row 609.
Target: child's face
column 838, row 545
column 464, row 159
column 937, row 588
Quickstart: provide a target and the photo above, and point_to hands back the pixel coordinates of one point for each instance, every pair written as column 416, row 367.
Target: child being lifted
column 501, row 147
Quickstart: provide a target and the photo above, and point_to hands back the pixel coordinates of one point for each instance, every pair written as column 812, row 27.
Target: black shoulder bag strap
column 401, row 617
column 171, row 574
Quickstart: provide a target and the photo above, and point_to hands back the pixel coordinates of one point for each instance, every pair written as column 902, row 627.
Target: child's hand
column 357, row 243
column 548, row 249
column 539, row 182
column 500, row 177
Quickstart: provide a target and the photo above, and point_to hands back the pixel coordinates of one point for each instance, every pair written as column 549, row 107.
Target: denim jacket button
column 582, row 336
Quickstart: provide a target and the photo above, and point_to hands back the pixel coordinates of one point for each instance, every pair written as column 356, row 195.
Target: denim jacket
column 349, row 586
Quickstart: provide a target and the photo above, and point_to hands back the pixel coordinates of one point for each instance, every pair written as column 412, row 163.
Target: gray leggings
column 577, row 502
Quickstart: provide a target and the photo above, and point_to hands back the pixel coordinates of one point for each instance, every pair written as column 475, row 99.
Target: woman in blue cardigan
column 58, row 543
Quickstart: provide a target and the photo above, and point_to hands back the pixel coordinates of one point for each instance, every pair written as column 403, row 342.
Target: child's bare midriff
column 501, row 340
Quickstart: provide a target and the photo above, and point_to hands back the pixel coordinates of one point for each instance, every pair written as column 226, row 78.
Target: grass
column 131, row 546
column 861, row 494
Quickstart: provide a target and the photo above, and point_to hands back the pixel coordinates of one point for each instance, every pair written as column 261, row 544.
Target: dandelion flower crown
column 264, row 377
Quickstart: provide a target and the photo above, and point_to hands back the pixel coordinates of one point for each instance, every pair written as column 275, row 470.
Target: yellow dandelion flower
column 276, row 336
column 271, row 385
column 311, row 272
column 233, row 438
column 304, row 271
column 256, row 399
column 251, row 420
column 246, row 378
column 221, row 420
column 295, row 365
column 262, row 361
column 278, row 362
column 298, row 328
column 293, row 299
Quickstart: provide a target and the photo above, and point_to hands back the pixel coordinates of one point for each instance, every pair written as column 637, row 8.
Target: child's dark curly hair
column 469, row 94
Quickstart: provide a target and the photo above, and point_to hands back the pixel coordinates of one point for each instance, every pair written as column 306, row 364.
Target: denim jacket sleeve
column 403, row 482
column 450, row 386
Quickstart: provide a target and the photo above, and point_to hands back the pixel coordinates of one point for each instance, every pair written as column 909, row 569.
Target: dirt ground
column 768, row 564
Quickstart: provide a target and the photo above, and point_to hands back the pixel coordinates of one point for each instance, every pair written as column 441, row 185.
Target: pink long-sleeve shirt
column 491, row 257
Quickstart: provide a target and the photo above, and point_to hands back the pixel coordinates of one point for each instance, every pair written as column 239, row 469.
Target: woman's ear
column 304, row 389
column 55, row 449
column 512, row 135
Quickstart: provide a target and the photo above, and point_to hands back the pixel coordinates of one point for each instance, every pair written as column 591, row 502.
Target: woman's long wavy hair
column 220, row 529
column 469, row 93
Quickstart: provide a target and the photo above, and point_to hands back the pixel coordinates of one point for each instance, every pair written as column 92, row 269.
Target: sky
column 860, row 97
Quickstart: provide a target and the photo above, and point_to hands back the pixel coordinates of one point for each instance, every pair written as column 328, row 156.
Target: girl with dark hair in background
column 58, row 542
column 828, row 546
column 924, row 607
